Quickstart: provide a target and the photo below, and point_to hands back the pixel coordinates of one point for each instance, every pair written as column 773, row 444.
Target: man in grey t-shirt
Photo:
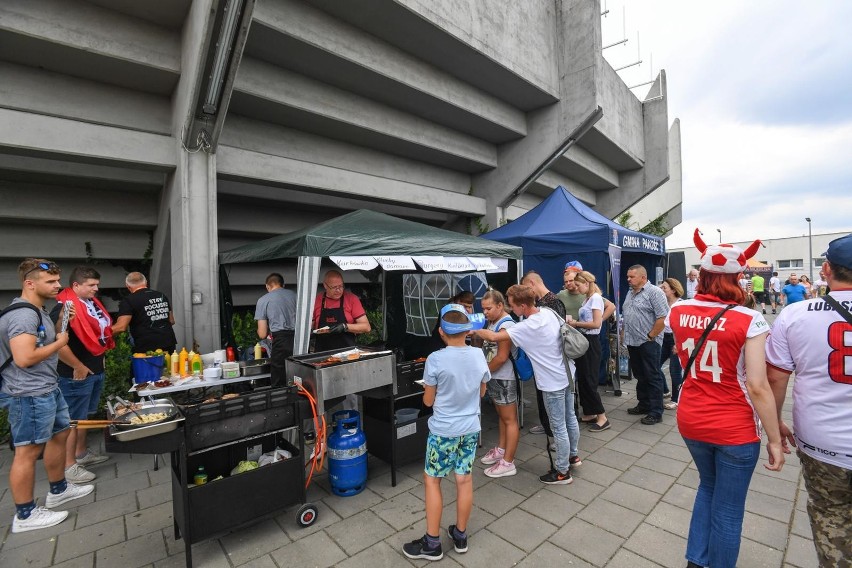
column 276, row 317
column 38, row 414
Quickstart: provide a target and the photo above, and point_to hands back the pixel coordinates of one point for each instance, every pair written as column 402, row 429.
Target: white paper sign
column 354, row 262
column 431, row 263
column 396, row 262
column 459, row 264
column 500, row 265
column 482, row 263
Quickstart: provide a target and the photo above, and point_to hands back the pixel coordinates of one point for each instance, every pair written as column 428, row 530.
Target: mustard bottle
column 258, row 352
column 184, row 363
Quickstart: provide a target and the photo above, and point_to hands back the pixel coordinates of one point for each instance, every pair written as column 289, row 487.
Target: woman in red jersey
column 723, row 401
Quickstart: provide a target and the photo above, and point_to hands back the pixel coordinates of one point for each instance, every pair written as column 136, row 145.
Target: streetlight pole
column 720, row 235
column 810, row 252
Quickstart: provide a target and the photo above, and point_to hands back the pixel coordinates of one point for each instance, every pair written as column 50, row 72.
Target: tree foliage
column 656, row 227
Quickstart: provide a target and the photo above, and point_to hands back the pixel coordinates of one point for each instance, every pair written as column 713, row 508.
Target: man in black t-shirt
column 148, row 314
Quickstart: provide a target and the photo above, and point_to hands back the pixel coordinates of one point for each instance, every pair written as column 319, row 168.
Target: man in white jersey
column 814, row 340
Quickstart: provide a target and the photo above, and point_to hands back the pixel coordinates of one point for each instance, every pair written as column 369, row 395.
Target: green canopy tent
column 363, row 236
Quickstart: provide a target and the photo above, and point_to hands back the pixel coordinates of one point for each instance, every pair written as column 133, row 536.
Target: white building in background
column 171, row 130
column 787, row 255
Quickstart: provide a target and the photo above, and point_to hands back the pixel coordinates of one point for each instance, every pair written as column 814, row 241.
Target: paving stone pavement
column 629, row 506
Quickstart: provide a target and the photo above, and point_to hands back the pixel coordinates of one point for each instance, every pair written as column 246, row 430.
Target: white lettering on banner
column 354, row 262
column 500, row 265
column 628, row 241
column 396, row 262
column 699, row 322
column 430, row 263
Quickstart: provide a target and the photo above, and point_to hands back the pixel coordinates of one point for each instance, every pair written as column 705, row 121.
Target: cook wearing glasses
column 338, row 315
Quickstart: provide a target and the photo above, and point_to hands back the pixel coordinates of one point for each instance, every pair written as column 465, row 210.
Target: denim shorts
column 502, row 392
column 446, row 454
column 83, row 396
column 36, row 419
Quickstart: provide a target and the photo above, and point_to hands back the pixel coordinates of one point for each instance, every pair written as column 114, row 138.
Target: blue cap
column 573, row 265
column 840, row 251
column 475, row 321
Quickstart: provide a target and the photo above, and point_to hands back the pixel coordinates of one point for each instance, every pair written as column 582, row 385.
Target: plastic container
column 183, row 370
column 406, row 415
column 213, row 373
column 200, row 477
column 195, row 365
column 175, row 369
column 230, row 370
column 347, row 455
column 147, row 369
column 258, row 351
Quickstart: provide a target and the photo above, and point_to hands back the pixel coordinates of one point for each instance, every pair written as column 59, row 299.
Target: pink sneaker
column 501, row 469
column 494, row 455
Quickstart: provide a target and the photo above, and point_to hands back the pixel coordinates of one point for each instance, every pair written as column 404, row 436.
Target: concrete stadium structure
column 133, row 130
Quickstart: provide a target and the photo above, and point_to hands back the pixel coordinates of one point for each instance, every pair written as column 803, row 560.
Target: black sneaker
column 556, row 478
column 420, row 549
column 637, row 410
column 651, row 419
column 460, row 544
column 574, row 461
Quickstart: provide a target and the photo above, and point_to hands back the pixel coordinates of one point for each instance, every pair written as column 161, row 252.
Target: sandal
column 670, row 405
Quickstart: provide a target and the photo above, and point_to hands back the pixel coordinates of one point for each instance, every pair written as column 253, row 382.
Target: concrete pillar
column 193, row 250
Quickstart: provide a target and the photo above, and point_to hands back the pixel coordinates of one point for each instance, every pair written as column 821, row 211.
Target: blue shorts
column 36, row 419
column 454, row 453
column 83, row 396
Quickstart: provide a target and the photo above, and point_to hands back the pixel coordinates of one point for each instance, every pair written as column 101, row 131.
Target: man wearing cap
column 645, row 309
column 813, row 338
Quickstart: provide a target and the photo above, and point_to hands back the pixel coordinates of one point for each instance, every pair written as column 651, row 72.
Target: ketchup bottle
column 230, row 354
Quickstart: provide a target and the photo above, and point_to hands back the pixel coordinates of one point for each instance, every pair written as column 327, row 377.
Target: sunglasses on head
column 41, row 266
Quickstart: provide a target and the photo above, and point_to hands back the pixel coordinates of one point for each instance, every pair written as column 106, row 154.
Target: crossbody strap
column 838, row 308
column 703, row 338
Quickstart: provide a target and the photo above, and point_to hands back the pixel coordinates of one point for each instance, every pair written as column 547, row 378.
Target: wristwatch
column 650, row 338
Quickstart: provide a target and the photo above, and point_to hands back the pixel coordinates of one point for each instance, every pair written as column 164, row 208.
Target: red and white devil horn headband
column 724, row 258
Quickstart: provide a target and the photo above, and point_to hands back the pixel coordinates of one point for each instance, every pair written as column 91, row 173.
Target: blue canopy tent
column 563, row 228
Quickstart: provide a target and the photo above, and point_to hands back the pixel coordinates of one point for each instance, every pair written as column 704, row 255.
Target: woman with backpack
column 588, row 366
column 502, row 389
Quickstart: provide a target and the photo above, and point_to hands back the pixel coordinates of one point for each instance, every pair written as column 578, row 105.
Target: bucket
column 406, row 415
column 147, row 369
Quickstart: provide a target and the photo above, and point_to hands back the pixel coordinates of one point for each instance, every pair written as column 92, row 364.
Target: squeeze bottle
column 175, row 369
column 196, row 365
column 258, row 352
column 184, row 363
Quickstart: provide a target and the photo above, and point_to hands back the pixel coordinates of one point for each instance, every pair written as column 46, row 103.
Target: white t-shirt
column 539, row 336
column 813, row 340
column 593, row 302
column 489, row 348
column 775, row 284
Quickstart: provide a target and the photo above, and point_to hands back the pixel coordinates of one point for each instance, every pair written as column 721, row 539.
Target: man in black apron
column 338, row 315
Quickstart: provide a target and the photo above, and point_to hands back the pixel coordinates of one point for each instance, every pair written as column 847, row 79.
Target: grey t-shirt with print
column 38, row 379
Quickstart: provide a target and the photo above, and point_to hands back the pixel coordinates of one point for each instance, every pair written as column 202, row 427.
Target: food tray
column 165, row 404
column 255, row 367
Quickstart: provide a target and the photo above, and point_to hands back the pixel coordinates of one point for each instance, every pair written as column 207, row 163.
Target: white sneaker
column 501, row 469
column 91, row 458
column 537, row 429
column 493, row 456
column 78, row 474
column 71, row 492
column 40, row 518
column 552, row 446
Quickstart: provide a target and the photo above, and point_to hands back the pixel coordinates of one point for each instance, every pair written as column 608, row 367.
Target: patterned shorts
column 502, row 392
column 446, row 454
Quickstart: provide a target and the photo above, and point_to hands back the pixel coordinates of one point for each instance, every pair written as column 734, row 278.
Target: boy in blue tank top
column 454, row 382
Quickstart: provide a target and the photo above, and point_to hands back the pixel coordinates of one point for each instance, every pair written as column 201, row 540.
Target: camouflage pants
column 829, row 503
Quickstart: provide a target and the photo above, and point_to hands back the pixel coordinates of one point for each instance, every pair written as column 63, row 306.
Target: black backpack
column 12, row 308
